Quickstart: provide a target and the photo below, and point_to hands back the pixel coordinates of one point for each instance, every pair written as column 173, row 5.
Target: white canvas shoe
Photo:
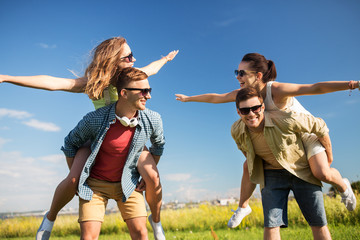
column 349, row 200
column 238, row 216
column 44, row 231
column 158, row 230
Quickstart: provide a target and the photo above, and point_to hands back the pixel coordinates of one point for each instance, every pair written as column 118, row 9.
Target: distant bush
column 200, row 218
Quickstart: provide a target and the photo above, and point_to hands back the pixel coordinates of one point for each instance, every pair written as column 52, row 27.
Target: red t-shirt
column 111, row 158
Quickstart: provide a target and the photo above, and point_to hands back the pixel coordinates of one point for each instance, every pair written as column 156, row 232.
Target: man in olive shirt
column 271, row 142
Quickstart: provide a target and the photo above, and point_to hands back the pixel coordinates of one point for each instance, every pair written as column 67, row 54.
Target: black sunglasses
column 241, row 72
column 246, row 110
column 129, row 57
column 144, row 91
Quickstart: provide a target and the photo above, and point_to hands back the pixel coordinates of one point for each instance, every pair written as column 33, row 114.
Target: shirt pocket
column 286, row 141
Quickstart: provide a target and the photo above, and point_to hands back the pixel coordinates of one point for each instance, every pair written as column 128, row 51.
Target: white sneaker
column 349, row 200
column 157, row 229
column 44, row 231
column 238, row 216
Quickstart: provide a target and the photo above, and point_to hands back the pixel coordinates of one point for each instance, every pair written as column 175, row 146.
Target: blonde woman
column 108, row 57
column 256, row 71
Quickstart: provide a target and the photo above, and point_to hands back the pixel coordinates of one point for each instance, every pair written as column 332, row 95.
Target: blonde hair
column 103, row 67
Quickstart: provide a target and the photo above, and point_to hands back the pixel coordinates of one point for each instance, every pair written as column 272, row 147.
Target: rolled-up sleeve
column 310, row 124
column 77, row 137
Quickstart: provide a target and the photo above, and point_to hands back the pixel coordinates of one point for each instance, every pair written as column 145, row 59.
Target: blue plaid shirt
column 94, row 127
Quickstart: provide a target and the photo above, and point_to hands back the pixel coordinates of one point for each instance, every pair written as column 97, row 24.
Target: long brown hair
column 258, row 63
column 104, row 64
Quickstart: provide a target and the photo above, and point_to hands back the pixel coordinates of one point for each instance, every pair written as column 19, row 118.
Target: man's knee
column 87, row 237
column 139, row 232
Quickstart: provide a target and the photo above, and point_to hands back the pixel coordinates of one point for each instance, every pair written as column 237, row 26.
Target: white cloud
column 47, row 46
column 228, row 22
column 177, row 177
column 3, row 141
column 44, row 126
column 28, row 180
column 56, row 158
column 14, row 113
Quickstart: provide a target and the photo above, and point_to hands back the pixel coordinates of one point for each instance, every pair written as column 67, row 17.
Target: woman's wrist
column 167, row 59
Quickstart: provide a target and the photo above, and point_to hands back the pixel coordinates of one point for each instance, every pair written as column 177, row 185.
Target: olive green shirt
column 110, row 95
column 282, row 131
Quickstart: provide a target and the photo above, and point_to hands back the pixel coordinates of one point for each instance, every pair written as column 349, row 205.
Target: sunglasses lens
column 145, row 91
column 240, row 73
column 130, row 57
column 244, row 111
column 256, row 109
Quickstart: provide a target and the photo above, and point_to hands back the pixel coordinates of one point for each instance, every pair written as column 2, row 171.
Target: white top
column 293, row 105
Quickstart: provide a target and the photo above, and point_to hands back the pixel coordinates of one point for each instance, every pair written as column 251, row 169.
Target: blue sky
column 309, row 41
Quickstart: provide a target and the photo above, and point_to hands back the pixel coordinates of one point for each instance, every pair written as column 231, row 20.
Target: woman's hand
column 181, row 97
column 171, row 55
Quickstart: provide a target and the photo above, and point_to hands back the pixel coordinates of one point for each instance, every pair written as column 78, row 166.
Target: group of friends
column 286, row 148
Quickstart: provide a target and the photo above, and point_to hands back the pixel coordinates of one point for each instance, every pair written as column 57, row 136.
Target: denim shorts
column 309, row 197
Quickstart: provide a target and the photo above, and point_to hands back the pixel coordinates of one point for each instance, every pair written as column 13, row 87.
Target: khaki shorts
column 94, row 210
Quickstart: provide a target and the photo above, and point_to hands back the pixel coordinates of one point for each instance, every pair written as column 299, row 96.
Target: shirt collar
column 268, row 123
column 112, row 115
column 268, row 120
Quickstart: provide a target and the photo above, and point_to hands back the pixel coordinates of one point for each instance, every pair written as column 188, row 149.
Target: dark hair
column 258, row 63
column 126, row 75
column 247, row 93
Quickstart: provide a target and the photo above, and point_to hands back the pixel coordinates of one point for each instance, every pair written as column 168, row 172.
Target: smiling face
column 253, row 120
column 249, row 79
column 135, row 98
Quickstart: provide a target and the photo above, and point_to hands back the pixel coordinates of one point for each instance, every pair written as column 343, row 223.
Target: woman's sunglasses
column 144, row 91
column 129, row 57
column 241, row 72
column 246, row 110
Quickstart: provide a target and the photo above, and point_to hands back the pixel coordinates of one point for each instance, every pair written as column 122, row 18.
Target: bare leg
column 90, row 230
column 153, row 194
column 272, row 233
column 320, row 168
column 247, row 187
column 321, row 233
column 137, row 228
column 66, row 190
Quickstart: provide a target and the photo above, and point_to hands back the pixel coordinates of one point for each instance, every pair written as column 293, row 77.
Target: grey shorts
column 309, row 197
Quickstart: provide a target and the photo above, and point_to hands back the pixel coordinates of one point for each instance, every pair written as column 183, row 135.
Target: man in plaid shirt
column 118, row 133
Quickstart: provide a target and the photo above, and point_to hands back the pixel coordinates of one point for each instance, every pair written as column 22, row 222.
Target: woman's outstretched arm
column 285, row 90
column 209, row 97
column 154, row 67
column 46, row 82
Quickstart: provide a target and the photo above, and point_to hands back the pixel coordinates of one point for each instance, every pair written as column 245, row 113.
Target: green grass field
column 196, row 223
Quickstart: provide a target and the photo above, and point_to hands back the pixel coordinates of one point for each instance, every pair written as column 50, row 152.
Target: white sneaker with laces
column 158, row 230
column 44, row 231
column 238, row 216
column 349, row 200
